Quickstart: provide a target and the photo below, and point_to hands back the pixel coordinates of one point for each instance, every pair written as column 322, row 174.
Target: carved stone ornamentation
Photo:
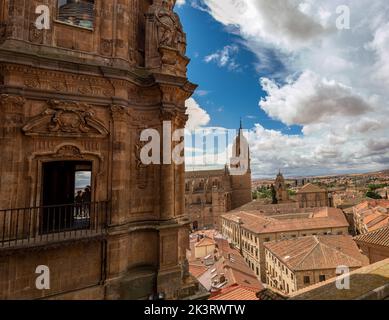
column 10, row 103
column 169, row 28
column 11, row 113
column 66, row 119
column 119, row 113
column 166, row 40
column 36, row 35
column 69, row 151
column 106, row 47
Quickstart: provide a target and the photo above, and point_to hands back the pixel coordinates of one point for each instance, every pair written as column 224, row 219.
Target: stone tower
column 74, row 100
column 282, row 194
column 240, row 170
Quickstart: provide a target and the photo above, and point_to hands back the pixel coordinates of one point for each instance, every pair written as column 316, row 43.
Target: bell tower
column 240, row 170
column 281, row 190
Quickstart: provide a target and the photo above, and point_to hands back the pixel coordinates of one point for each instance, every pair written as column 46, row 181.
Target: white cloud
column 310, row 99
column 180, row 3
column 224, row 57
column 380, row 45
column 333, row 83
column 198, row 117
column 202, row 93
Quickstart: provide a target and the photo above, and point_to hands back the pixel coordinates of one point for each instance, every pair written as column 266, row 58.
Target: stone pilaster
column 120, row 165
column 11, row 120
column 167, row 165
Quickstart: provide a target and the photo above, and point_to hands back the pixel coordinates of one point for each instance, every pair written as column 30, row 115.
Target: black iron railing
column 52, row 223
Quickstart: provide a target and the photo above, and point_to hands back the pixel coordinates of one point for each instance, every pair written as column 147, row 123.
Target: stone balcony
column 48, row 225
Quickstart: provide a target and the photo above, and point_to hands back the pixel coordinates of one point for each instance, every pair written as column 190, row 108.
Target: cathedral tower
column 240, row 170
column 281, row 190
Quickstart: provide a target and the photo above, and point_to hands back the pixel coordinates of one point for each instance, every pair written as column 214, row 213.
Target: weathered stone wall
column 72, row 268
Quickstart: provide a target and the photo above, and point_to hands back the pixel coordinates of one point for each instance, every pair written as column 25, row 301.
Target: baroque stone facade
column 73, row 97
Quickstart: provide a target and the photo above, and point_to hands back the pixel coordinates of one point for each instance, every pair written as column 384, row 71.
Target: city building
column 211, row 193
column 74, row 100
column 248, row 231
column 371, row 215
column 293, row 264
column 375, row 244
column 223, row 269
column 311, row 195
column 367, row 283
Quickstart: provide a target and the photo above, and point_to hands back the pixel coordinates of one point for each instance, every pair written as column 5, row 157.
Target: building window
column 322, row 278
column 307, row 280
column 267, row 239
column 78, row 13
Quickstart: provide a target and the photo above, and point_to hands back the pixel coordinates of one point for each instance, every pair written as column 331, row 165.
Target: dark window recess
column 307, row 280
column 322, row 278
column 66, row 195
column 79, row 13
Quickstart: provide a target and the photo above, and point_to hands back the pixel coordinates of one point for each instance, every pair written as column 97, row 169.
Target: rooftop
column 374, row 213
column 226, row 268
column 367, row 283
column 318, row 252
column 260, row 224
column 378, row 237
column 311, row 188
column 235, row 292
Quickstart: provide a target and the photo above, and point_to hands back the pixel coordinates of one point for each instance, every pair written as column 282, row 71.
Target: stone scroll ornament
column 64, row 119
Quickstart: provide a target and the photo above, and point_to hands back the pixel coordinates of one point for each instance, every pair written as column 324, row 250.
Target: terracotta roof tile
column 237, row 292
column 310, row 188
column 378, row 237
column 197, row 270
column 318, row 252
column 324, row 218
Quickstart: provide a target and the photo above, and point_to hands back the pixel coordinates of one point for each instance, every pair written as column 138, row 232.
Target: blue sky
column 230, row 94
column 311, row 91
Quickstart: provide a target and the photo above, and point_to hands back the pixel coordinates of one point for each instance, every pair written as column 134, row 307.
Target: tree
column 273, row 195
column 373, row 195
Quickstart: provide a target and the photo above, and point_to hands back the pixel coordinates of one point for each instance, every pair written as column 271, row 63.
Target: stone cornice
column 138, row 76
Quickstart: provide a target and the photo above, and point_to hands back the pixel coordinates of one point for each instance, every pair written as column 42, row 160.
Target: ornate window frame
column 63, row 152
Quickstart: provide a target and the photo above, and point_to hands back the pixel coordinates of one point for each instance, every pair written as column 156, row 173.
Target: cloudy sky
column 313, row 96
